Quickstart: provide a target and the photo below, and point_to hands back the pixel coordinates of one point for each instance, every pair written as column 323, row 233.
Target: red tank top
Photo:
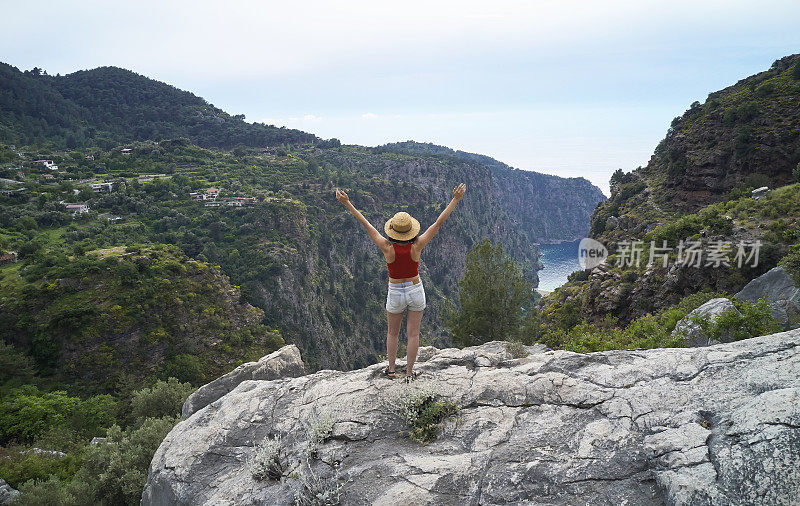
column 403, row 266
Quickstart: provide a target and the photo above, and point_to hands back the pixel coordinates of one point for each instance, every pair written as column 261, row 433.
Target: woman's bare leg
column 412, row 330
column 393, row 331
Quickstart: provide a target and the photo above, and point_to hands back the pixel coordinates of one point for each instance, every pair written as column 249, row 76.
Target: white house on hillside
column 102, row 187
column 77, row 208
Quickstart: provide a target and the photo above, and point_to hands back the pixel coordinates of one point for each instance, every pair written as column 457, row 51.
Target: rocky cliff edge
column 716, row 425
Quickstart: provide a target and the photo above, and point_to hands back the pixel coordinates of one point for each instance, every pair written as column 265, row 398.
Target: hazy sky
column 574, row 88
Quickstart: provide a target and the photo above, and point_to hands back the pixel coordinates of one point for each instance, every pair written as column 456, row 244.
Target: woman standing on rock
column 402, row 251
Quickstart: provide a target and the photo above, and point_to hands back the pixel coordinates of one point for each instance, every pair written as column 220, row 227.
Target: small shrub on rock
column 319, row 428
column 422, row 411
column 316, row 490
column 516, row 349
column 268, row 462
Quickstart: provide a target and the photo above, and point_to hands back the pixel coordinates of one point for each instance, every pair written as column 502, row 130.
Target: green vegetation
column 751, row 320
column 111, row 472
column 319, row 428
column 655, row 330
column 493, row 294
column 70, row 307
column 516, row 349
column 422, row 411
column 318, row 490
column 779, row 211
column 791, row 263
column 27, row 413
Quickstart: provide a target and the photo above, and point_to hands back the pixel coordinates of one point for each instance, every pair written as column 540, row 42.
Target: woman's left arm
column 382, row 242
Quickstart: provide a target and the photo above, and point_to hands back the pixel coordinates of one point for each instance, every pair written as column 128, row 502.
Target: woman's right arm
column 426, row 236
column 382, row 242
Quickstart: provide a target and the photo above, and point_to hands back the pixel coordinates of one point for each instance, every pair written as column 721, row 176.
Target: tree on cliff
column 493, row 292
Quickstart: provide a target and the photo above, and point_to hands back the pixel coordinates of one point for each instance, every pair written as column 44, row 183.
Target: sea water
column 559, row 260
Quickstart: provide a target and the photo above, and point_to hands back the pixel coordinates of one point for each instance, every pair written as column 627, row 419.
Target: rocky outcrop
column 780, row 291
column 283, row 363
column 774, row 285
column 7, row 494
column 716, row 425
column 710, row 311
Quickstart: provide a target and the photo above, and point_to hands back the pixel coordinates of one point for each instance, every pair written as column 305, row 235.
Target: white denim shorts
column 405, row 295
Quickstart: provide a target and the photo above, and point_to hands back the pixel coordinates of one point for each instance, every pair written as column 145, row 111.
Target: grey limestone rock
column 7, row 494
column 716, row 425
column 774, row 285
column 283, row 363
column 711, row 310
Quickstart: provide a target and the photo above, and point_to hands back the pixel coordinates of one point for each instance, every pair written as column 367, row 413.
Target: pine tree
column 493, row 293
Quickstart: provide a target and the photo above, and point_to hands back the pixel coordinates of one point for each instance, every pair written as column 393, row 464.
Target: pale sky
column 566, row 87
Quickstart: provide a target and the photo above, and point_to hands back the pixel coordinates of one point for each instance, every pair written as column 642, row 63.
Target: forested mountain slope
column 697, row 187
column 109, row 105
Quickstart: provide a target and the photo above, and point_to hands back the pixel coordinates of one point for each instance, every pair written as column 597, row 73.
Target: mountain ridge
column 108, row 105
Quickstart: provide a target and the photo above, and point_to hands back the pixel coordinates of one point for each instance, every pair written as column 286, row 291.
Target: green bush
column 54, row 492
column 112, row 474
column 516, row 349
column 165, row 398
column 26, row 413
column 17, row 467
column 791, row 263
column 753, row 319
column 578, row 276
column 187, row 368
column 318, row 490
column 649, row 331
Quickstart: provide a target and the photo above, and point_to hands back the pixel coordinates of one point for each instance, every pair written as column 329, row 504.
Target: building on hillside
column 48, row 177
column 243, row 201
column 77, row 208
column 211, row 194
column 109, row 217
column 89, row 157
column 126, row 151
column 102, row 187
column 146, row 178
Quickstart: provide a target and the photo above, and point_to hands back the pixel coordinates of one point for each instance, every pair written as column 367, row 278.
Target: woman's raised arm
column 426, row 236
column 382, row 242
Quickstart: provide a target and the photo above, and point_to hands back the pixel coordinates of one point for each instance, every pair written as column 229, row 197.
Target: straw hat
column 402, row 227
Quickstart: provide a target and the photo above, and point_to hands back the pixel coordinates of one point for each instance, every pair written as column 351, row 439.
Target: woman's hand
column 459, row 191
column 342, row 197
